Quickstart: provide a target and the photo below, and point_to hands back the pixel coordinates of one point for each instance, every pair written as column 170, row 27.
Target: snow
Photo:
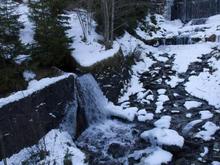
column 22, row 58
column 215, row 163
column 58, row 144
column 33, row 86
column 85, row 53
column 169, row 28
column 206, row 150
column 192, row 104
column 117, row 111
column 135, row 86
column 27, row 33
column 161, row 99
column 174, row 81
column 161, row 91
column 163, row 122
column 188, row 115
column 186, row 54
column 28, row 75
column 213, row 20
column 162, row 136
column 129, row 44
column 157, row 156
column 205, row 86
column 90, row 52
column 206, row 115
column 144, row 116
column 210, row 130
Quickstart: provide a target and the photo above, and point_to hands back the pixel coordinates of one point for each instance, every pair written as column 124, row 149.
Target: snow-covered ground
column 59, row 146
column 88, row 53
column 172, row 99
column 168, row 29
column 26, row 34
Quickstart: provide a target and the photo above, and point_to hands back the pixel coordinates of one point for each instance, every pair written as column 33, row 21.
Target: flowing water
column 91, row 99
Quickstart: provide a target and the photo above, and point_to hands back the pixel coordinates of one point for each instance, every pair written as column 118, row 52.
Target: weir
column 71, row 104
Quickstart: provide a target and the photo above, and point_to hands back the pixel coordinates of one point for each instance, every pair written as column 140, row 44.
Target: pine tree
column 51, row 45
column 10, row 44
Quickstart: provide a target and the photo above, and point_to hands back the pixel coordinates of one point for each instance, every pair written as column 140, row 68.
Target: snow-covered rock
column 157, row 156
column 143, row 115
column 163, row 122
column 192, row 104
column 163, row 136
column 209, row 130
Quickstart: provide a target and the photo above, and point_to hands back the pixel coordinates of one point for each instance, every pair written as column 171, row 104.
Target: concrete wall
column 24, row 122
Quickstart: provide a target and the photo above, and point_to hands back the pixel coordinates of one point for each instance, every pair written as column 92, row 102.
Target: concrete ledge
column 24, row 122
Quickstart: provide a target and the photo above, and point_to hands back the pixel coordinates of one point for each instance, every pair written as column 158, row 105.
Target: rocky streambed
column 166, row 112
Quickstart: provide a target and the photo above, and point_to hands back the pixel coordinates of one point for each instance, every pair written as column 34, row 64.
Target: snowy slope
column 90, row 52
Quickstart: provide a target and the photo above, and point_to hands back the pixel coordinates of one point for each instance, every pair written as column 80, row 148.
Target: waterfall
column 95, row 105
column 91, row 99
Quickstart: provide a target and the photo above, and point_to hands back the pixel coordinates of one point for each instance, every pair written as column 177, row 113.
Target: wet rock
column 211, row 38
column 216, row 147
column 183, row 161
column 172, row 149
column 116, row 150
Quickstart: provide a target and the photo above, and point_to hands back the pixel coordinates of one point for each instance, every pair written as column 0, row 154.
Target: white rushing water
column 91, row 99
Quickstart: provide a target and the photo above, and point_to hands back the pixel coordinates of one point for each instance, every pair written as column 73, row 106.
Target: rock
column 116, row 150
column 216, row 147
column 211, row 38
column 216, row 151
column 26, row 120
column 172, row 149
column 183, row 161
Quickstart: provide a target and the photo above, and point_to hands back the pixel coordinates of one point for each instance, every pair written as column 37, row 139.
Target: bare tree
column 108, row 10
column 83, row 20
column 85, row 17
column 111, row 11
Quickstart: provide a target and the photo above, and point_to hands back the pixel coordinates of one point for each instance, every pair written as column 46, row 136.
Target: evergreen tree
column 10, row 44
column 51, row 45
